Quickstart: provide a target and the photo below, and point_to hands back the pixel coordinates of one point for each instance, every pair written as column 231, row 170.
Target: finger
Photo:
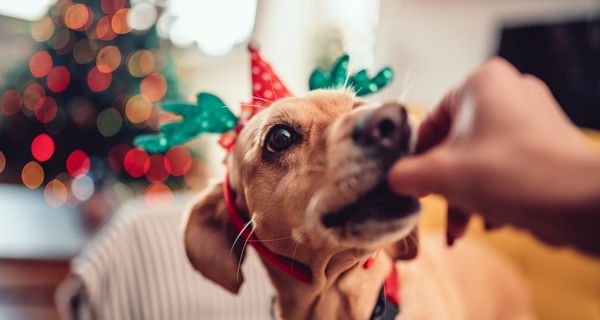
column 457, row 223
column 420, row 175
column 437, row 124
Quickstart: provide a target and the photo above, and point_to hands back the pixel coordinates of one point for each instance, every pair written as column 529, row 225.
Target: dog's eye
column 280, row 138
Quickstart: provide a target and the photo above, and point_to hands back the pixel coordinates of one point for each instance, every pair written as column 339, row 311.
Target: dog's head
column 310, row 172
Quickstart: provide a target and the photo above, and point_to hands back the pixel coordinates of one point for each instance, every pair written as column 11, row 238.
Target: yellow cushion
column 564, row 284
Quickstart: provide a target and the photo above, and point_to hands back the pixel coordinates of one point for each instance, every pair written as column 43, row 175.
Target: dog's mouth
column 379, row 204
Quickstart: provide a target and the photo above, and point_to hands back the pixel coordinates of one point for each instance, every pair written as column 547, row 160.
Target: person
column 500, row 145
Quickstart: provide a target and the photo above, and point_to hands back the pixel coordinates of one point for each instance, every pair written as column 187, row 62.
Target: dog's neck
column 341, row 288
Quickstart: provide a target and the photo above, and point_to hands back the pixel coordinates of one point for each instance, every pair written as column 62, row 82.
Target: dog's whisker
column 270, row 240
column 271, row 81
column 348, row 71
column 237, row 275
column 263, row 99
column 250, row 222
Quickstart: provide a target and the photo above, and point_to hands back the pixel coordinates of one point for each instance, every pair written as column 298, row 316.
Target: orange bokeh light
column 10, row 103
column 108, row 59
column 55, row 193
column 2, row 161
column 137, row 109
column 158, row 194
column 58, row 79
column 98, row 81
column 141, row 63
column 119, row 22
column 42, row 30
column 32, row 175
column 153, row 87
column 78, row 17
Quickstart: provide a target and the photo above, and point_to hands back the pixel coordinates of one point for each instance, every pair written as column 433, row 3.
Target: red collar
column 285, row 264
column 294, row 268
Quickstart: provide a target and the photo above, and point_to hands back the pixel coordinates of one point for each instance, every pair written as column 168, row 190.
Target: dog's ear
column 209, row 241
column 406, row 248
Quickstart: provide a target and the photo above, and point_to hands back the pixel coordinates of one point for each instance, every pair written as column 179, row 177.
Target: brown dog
column 310, row 172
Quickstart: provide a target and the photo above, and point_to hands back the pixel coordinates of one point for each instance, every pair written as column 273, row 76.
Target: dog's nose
column 386, row 126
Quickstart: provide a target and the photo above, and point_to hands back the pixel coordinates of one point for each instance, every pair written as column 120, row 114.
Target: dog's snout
column 386, row 127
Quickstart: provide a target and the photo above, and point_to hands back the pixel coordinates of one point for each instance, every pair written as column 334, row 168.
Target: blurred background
column 79, row 79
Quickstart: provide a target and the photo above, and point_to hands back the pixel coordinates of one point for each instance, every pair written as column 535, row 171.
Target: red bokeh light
column 42, row 147
column 104, row 30
column 153, row 87
column 178, row 161
column 136, row 162
column 40, row 64
column 98, row 81
column 157, row 171
column 158, row 194
column 10, row 103
column 78, row 163
column 116, row 156
column 33, row 92
column 112, row 6
column 58, row 79
column 45, row 109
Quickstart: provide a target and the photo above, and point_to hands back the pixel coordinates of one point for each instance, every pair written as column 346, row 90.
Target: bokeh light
column 78, row 163
column 104, row 30
column 32, row 94
column 197, row 177
column 98, row 81
column 42, row 30
column 78, row 17
column 157, row 172
column 58, row 79
column 45, row 109
column 2, row 161
column 137, row 109
column 136, row 162
column 40, row 64
column 82, row 188
column 158, row 194
column 141, row 63
column 112, row 6
column 55, row 193
column 42, row 147
column 10, row 102
column 153, row 87
column 142, row 16
column 119, row 22
column 32, row 175
column 108, row 59
column 62, row 41
column 116, row 156
column 178, row 161
column 109, row 122
column 85, row 51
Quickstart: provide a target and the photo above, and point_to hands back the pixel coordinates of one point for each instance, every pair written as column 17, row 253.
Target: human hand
column 500, row 145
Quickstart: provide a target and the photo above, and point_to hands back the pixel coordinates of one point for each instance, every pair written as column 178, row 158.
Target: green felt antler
column 360, row 81
column 208, row 115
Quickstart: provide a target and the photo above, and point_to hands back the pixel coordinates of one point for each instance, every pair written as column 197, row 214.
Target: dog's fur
column 286, row 196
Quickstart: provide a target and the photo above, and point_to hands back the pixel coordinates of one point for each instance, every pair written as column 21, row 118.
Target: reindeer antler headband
column 211, row 115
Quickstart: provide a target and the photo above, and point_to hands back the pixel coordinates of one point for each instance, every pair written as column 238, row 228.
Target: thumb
column 420, row 175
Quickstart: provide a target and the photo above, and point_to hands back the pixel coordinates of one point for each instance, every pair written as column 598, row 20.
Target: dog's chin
column 377, row 217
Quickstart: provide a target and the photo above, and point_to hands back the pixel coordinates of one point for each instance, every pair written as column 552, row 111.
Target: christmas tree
column 69, row 114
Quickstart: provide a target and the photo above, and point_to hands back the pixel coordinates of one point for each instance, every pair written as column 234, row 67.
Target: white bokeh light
column 142, row 16
column 215, row 26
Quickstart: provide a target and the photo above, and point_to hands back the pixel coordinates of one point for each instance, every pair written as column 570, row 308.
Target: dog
column 309, row 174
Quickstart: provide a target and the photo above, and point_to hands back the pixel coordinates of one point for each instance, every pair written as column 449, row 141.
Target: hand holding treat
column 501, row 146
